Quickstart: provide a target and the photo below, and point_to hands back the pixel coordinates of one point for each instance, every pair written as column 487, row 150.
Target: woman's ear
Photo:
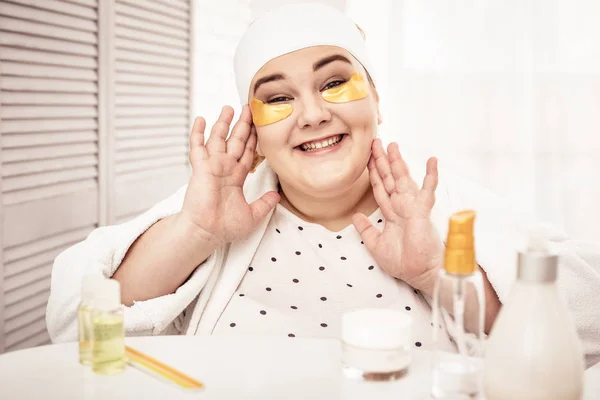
column 258, row 149
column 258, row 154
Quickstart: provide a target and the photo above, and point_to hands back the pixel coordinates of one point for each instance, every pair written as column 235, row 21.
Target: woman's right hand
column 214, row 201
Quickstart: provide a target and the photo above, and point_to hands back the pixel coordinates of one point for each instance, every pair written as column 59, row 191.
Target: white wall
column 505, row 92
column 218, row 27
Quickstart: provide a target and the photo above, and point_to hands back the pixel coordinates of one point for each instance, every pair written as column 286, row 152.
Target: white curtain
column 504, row 92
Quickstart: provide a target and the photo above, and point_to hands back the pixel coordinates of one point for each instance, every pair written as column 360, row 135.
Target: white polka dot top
column 303, row 277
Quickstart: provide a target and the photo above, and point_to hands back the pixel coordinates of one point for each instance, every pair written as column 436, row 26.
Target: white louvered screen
column 94, row 121
column 49, row 128
column 152, row 97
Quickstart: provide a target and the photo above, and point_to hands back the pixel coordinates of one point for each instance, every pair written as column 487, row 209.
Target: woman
column 329, row 222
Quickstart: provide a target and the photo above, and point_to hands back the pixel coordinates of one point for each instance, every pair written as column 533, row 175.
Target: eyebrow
column 328, row 60
column 268, row 78
column 316, row 66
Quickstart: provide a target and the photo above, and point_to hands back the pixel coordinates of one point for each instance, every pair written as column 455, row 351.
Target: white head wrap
column 293, row 27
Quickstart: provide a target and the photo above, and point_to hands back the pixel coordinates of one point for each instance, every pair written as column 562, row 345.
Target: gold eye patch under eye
column 265, row 114
column 354, row 89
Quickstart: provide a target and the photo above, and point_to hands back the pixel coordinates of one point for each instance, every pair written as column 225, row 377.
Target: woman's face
column 299, row 79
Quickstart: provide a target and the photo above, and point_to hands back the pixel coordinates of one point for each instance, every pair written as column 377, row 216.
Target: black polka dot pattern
column 329, row 283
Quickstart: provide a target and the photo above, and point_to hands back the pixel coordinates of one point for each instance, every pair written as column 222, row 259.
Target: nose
column 314, row 112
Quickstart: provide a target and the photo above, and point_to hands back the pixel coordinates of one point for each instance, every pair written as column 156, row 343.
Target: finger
column 430, row 183
column 382, row 197
column 197, row 139
column 249, row 152
column 219, row 131
column 261, row 207
column 197, row 135
column 383, row 166
column 368, row 233
column 236, row 144
column 400, row 171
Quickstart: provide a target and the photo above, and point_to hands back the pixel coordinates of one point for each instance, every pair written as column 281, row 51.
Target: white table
column 251, row 368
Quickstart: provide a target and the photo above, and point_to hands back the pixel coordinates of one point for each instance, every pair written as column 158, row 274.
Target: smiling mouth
column 321, row 144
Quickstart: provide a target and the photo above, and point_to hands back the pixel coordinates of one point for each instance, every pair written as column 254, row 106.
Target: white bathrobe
column 196, row 306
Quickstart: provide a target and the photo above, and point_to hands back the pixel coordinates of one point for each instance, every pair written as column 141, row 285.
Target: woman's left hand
column 409, row 247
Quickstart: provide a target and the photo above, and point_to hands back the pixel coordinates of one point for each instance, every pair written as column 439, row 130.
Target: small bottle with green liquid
column 84, row 317
column 108, row 349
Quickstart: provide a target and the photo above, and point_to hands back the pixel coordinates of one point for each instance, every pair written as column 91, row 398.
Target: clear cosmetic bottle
column 457, row 373
column 84, row 317
column 108, row 350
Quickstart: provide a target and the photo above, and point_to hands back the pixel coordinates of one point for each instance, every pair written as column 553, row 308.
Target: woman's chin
column 328, row 180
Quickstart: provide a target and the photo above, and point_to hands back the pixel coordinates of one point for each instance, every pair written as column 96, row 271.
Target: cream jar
column 376, row 344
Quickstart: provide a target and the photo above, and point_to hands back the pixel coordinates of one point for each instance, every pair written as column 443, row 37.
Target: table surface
column 250, row 368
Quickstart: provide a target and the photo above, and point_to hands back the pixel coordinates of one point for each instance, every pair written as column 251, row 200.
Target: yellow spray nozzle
column 460, row 244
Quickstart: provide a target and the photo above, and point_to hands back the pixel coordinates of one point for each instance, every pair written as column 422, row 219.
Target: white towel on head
column 293, row 27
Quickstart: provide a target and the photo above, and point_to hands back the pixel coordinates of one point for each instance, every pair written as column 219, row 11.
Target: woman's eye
column 333, row 84
column 278, row 99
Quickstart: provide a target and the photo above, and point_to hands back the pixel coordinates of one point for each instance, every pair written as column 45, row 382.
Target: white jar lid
column 376, row 328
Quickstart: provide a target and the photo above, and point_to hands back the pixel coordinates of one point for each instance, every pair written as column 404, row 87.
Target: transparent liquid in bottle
column 108, row 350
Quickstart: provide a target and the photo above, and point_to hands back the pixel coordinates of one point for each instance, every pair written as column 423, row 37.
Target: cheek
column 271, row 138
column 360, row 115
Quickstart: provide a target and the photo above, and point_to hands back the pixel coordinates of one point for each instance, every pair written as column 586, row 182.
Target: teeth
column 322, row 144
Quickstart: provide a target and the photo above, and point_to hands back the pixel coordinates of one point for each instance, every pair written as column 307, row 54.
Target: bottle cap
column 536, row 264
column 375, row 328
column 460, row 244
column 108, row 295
column 89, row 286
